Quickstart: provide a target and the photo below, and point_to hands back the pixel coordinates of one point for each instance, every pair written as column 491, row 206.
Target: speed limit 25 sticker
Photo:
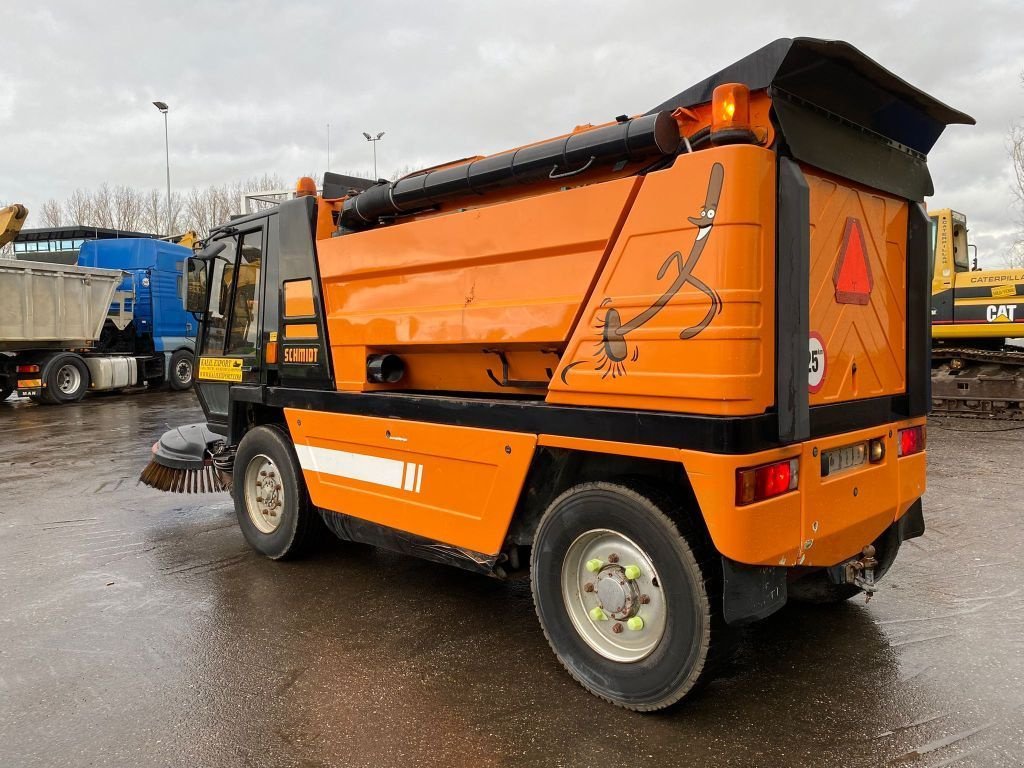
column 817, row 362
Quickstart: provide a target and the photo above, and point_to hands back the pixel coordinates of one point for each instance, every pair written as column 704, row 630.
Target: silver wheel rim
column 613, row 595
column 264, row 494
column 69, row 379
column 183, row 370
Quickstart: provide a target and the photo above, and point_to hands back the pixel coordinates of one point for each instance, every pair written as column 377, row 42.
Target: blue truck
column 115, row 320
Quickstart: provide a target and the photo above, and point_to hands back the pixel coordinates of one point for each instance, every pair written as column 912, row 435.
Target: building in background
column 60, row 245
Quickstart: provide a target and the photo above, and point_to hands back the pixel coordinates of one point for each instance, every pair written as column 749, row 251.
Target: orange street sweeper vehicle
column 675, row 366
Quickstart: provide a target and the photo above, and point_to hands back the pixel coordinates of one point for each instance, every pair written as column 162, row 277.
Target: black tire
column 182, row 370
column 298, row 518
column 5, row 391
column 694, row 640
column 66, row 379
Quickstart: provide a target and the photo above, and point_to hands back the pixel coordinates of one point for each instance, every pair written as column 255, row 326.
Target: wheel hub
column 616, row 595
column 613, row 596
column 264, row 493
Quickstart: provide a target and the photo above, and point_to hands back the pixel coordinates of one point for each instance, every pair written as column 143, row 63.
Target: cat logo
column 1001, row 313
column 301, row 355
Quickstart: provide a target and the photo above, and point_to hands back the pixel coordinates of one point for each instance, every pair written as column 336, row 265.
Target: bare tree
column 78, row 208
column 103, row 207
column 127, row 208
column 1014, row 258
column 51, row 214
column 152, row 218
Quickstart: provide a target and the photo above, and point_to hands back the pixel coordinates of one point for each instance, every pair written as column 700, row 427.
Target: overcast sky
column 252, row 85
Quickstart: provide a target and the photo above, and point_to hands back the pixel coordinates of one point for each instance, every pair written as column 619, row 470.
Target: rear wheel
column 181, row 372
column 627, row 597
column 5, row 391
column 67, row 379
column 271, row 501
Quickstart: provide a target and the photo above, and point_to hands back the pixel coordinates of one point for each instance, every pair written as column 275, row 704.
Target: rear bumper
column 826, row 520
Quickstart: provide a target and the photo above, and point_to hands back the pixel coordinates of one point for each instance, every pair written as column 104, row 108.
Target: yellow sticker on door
column 220, row 368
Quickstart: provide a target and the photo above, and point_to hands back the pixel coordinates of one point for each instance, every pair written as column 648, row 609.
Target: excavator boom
column 12, row 219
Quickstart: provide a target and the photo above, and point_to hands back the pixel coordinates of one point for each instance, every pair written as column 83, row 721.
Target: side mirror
column 195, row 281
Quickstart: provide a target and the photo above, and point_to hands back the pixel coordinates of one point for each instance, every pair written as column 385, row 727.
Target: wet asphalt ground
column 137, row 628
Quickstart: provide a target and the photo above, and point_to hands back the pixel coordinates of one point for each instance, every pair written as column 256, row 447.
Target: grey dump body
column 49, row 306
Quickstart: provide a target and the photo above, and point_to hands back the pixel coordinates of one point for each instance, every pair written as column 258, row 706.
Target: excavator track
column 978, row 383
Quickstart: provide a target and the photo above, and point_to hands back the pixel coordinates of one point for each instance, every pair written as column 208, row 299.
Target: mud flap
column 751, row 592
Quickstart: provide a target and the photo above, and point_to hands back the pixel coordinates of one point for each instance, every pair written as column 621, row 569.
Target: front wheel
column 625, row 597
column 271, row 501
column 181, row 370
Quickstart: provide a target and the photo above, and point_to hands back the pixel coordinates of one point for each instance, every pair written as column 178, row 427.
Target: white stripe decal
column 392, row 473
column 419, row 476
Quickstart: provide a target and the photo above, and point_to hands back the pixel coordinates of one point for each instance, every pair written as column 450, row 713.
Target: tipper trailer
column 114, row 320
column 675, row 367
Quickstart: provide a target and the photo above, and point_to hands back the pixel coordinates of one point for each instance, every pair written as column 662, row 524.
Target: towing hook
column 864, row 572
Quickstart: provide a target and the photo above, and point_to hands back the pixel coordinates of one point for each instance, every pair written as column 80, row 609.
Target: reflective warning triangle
column 852, row 277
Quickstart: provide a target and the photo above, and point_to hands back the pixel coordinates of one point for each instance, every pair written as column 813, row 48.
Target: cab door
column 231, row 347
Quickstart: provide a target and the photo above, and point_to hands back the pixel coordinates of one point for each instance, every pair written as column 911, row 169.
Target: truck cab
column 155, row 325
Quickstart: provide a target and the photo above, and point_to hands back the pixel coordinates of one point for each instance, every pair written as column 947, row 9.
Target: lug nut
column 594, row 565
column 613, row 558
column 645, row 599
column 635, row 623
column 588, row 587
column 597, row 614
column 616, row 627
column 632, row 572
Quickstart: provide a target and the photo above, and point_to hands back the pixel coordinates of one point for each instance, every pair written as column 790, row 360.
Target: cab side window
column 216, row 320
column 244, row 336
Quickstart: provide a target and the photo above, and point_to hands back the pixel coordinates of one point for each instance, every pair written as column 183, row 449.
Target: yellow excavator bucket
column 12, row 219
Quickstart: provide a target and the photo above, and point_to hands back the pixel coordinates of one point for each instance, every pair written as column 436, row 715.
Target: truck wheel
column 625, row 596
column 182, row 365
column 271, row 501
column 5, row 391
column 67, row 379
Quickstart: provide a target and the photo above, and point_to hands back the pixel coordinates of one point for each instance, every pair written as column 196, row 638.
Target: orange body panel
column 457, row 485
column 822, row 511
column 865, row 344
column 725, row 368
column 298, row 298
column 460, row 485
column 300, row 331
column 514, row 273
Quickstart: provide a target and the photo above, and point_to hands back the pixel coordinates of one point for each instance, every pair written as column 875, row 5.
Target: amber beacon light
column 730, row 114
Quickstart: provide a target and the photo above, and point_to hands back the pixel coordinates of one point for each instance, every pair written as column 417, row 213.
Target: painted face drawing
column 613, row 350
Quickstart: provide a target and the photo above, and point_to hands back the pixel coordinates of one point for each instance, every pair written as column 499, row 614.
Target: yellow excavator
column 977, row 316
column 12, row 219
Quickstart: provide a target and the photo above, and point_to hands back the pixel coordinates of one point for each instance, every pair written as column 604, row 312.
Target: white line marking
column 392, row 473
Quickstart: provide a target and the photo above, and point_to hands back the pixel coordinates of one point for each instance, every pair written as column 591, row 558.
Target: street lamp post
column 162, row 106
column 373, row 140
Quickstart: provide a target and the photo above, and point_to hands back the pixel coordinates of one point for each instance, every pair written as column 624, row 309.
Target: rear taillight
column 911, row 440
column 27, row 369
column 764, row 482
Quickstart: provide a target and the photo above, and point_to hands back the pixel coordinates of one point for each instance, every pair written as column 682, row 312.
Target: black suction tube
column 629, row 140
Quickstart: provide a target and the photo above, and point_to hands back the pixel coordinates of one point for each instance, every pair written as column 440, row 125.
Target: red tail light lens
column 766, row 481
column 911, row 440
column 27, row 369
